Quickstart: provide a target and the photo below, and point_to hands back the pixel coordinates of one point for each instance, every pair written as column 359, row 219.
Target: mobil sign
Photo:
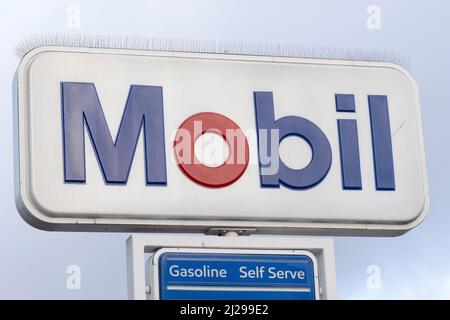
column 133, row 140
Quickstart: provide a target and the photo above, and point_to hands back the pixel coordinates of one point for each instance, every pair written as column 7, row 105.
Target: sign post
column 230, row 268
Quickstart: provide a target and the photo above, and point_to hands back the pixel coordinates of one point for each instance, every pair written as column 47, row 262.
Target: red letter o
column 212, row 177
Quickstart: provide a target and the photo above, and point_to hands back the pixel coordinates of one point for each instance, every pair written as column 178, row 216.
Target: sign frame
column 36, row 218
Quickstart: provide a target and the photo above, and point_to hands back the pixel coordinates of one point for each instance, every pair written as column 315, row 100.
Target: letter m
column 81, row 109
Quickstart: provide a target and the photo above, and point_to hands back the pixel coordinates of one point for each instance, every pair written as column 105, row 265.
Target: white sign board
column 115, row 140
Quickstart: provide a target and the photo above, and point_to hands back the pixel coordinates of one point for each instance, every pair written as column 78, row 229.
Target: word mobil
column 81, row 109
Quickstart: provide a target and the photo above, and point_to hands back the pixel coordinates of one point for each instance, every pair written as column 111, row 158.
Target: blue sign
column 229, row 276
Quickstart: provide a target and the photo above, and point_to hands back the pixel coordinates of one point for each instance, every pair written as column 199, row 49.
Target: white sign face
column 130, row 140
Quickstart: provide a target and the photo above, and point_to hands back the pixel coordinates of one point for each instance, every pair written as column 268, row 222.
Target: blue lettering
column 144, row 109
column 382, row 144
column 348, row 144
column 320, row 163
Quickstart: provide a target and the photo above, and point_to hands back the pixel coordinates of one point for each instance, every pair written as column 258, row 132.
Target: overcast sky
column 33, row 263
